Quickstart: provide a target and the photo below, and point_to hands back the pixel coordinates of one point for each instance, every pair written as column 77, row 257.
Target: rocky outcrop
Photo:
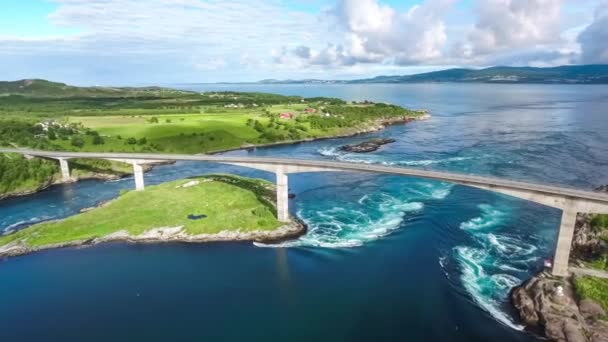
column 168, row 234
column 367, row 146
column 588, row 242
column 548, row 305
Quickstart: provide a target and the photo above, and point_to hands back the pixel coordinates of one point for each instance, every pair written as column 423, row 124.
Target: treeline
column 18, row 173
column 174, row 103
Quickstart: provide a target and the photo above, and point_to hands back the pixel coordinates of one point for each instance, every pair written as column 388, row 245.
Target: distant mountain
column 569, row 74
column 44, row 88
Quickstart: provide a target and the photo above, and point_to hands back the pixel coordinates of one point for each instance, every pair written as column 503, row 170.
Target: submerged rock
column 367, row 146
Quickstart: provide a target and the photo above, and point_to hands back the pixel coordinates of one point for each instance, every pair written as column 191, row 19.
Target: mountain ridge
column 565, row 74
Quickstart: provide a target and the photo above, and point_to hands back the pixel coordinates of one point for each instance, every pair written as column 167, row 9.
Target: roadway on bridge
column 333, row 165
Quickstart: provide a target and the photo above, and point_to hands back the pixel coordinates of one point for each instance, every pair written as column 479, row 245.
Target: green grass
column 216, row 129
column 231, row 203
column 593, row 288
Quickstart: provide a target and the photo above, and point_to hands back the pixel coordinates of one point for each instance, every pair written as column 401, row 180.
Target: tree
column 77, row 141
column 142, row 141
column 153, row 119
column 131, row 141
column 52, row 135
column 97, row 140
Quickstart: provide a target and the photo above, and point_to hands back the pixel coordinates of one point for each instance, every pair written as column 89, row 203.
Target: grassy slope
column 599, row 224
column 592, row 288
column 229, row 206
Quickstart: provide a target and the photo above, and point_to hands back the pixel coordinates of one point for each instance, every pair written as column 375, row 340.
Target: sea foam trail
column 490, row 217
column 371, row 158
column 489, row 268
column 338, row 227
column 9, row 229
column 481, row 286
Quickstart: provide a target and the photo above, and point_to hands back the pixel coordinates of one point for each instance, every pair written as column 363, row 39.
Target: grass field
column 231, row 203
column 215, row 129
column 188, row 133
column 592, row 288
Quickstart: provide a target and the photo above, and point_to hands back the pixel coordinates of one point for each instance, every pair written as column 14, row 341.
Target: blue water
column 385, row 258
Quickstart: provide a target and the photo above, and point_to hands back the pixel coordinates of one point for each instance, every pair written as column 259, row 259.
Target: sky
column 137, row 42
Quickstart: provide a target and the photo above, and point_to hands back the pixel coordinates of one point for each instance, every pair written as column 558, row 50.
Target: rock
column 367, row 146
column 558, row 317
column 590, row 309
column 602, row 188
column 542, row 305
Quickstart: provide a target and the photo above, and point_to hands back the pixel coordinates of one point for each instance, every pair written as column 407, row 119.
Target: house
column 309, row 110
column 286, row 115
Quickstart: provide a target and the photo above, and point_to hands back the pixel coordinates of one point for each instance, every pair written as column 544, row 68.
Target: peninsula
column 54, row 116
column 199, row 209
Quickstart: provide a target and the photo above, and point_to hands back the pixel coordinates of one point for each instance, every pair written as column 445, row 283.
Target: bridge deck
column 333, row 165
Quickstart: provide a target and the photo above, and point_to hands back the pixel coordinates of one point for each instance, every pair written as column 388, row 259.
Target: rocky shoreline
column 375, row 127
column 292, row 230
column 549, row 306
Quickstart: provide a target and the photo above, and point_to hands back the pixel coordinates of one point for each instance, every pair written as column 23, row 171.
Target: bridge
column 570, row 201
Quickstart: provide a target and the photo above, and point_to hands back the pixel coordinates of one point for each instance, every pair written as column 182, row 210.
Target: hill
column 44, row 88
column 570, row 74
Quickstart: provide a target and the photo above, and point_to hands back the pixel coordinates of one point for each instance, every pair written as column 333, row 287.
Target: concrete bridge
column 570, row 201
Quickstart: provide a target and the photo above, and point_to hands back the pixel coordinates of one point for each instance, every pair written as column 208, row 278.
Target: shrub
column 97, row 140
column 77, row 141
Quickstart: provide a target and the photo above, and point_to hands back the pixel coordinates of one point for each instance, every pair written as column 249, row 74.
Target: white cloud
column 594, row 39
column 131, row 41
column 376, row 33
column 509, row 24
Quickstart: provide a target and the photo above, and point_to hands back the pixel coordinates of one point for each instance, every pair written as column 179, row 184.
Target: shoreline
column 94, row 176
column 289, row 231
column 377, row 126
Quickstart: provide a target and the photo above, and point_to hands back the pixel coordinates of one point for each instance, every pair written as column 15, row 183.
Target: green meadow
column 230, row 203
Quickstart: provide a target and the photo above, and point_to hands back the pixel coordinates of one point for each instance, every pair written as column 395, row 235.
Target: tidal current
column 385, row 258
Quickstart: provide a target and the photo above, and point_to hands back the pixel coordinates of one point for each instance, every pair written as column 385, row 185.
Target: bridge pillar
column 282, row 195
column 65, row 170
column 138, row 174
column 564, row 240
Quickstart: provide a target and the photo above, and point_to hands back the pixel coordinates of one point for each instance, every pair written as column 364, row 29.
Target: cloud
column 510, row 24
column 134, row 41
column 594, row 39
column 376, row 33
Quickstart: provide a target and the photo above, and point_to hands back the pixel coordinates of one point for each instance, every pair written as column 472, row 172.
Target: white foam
column 479, row 284
column 31, row 221
column 328, row 151
column 490, row 217
column 339, row 227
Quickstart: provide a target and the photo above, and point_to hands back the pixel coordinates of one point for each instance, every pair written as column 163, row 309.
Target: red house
column 286, row 115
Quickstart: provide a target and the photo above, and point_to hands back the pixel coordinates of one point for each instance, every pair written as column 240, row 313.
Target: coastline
column 292, row 230
column 377, row 126
column 96, row 176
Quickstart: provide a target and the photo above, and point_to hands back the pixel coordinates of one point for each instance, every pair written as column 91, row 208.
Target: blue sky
column 124, row 42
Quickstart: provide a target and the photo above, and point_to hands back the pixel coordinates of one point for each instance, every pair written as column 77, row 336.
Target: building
column 286, row 115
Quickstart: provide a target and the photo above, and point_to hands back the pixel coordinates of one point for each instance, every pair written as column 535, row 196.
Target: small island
column 370, row 145
column 200, row 209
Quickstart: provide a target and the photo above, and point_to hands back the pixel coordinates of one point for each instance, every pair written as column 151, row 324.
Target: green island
column 54, row 116
column 207, row 208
